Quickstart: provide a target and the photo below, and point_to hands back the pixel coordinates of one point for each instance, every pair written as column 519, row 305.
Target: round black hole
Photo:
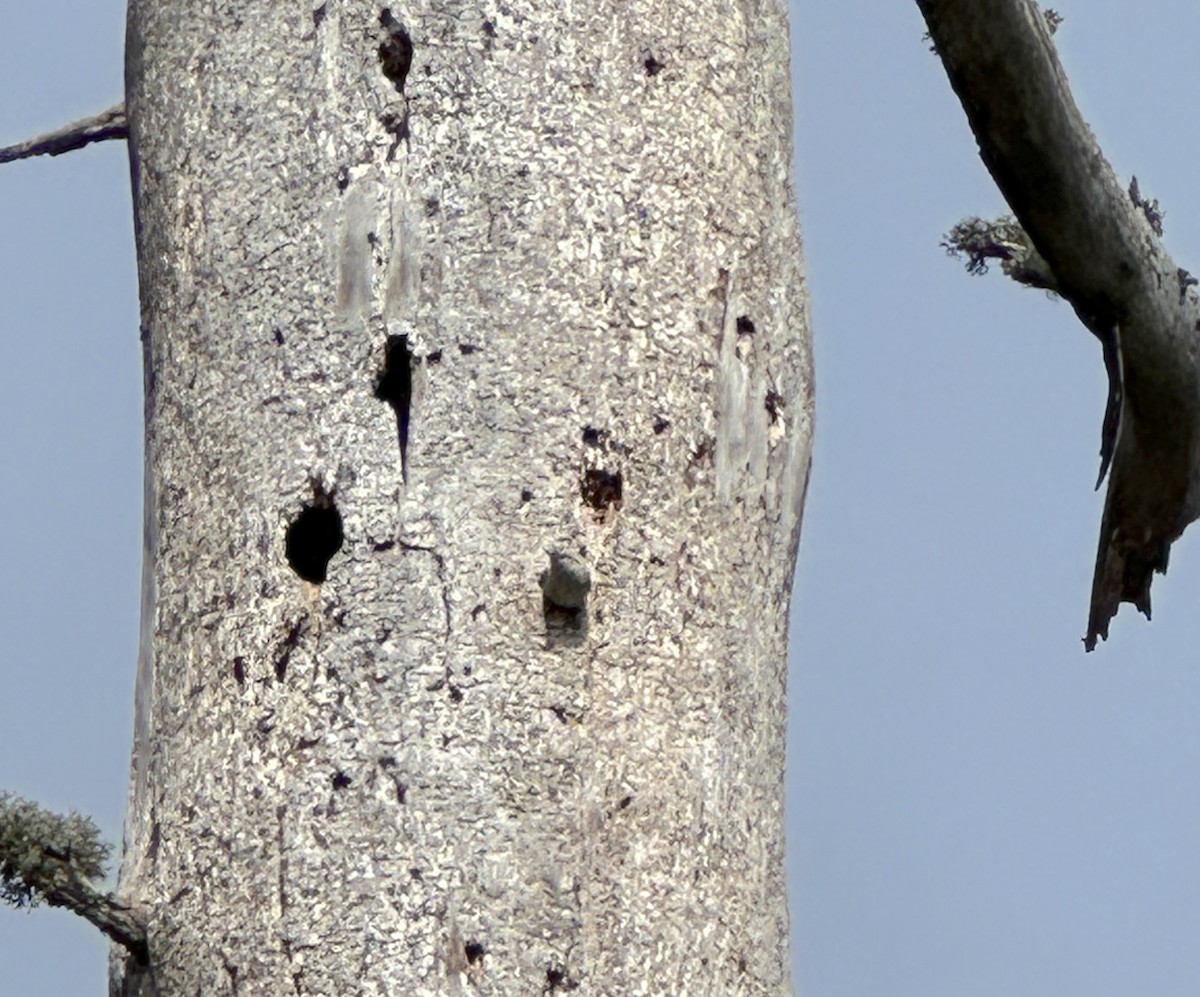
column 312, row 540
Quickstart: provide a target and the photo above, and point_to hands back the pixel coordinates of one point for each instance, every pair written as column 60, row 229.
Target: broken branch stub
column 102, row 127
column 1099, row 243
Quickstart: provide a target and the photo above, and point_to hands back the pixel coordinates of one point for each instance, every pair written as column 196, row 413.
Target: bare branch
column 49, row 857
column 1107, row 262
column 121, row 923
column 110, row 124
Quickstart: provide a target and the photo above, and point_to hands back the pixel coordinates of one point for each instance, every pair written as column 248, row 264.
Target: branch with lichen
column 1003, row 240
column 50, row 858
column 1101, row 249
column 980, row 241
column 110, row 124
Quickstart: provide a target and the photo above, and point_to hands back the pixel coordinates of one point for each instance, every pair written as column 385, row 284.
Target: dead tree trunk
column 478, row 416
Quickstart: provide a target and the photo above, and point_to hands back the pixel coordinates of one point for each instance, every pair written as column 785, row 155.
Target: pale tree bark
column 523, row 307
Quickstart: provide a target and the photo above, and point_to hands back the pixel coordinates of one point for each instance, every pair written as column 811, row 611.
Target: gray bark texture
column 524, row 305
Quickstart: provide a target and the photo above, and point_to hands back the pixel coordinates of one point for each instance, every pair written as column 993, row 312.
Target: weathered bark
column 102, row 127
column 1107, row 261
column 571, row 240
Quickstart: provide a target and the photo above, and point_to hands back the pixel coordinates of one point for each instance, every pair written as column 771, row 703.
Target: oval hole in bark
column 601, row 489
column 396, row 51
column 313, row 539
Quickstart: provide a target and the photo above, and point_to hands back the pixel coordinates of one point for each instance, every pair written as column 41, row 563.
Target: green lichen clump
column 41, row 852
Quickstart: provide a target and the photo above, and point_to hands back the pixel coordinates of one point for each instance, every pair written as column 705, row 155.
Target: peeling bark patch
column 601, row 489
column 1148, row 206
column 395, row 125
column 313, row 538
column 653, row 66
column 290, row 643
column 1186, row 280
column 700, row 460
column 395, row 387
column 774, row 405
column 395, row 51
column 388, row 764
column 340, row 780
column 474, row 951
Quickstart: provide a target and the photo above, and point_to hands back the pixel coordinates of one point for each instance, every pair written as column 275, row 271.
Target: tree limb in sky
column 1100, row 244
column 110, row 124
column 51, row 858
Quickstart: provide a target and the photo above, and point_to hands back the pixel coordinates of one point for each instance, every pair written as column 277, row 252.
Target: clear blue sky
column 977, row 808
